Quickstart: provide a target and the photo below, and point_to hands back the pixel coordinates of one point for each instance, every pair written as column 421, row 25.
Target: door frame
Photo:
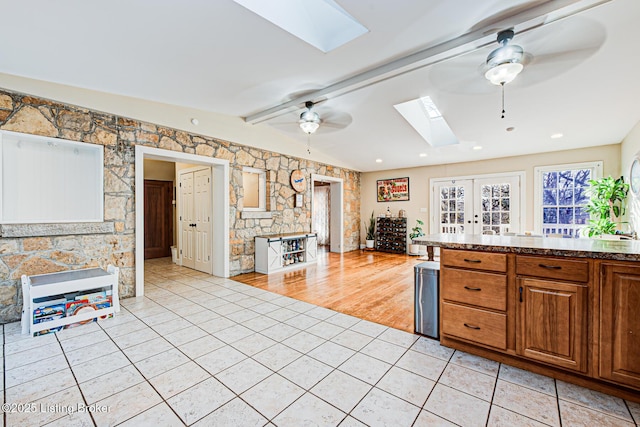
column 336, row 227
column 219, row 202
column 433, row 221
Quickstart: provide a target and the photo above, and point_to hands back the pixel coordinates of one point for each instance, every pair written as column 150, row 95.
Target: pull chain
column 502, row 84
column 309, row 143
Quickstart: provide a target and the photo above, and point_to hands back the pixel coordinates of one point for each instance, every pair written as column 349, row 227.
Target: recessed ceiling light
column 194, row 121
column 510, row 129
column 423, row 154
column 556, row 135
column 378, row 160
column 477, row 147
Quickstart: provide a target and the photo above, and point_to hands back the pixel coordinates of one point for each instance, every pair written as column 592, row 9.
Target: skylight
column 423, row 115
column 321, row 23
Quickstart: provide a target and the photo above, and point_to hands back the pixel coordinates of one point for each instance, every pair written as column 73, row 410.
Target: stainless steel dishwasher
column 427, row 297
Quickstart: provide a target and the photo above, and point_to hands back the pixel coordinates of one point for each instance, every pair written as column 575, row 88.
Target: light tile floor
column 205, row 351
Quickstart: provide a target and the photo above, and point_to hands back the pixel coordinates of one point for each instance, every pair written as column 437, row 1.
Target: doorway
column 480, row 205
column 218, row 242
column 322, row 213
column 335, row 210
column 158, row 213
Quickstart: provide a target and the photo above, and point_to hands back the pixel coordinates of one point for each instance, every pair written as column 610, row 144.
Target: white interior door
column 195, row 219
column 202, row 208
column 489, row 205
column 187, row 220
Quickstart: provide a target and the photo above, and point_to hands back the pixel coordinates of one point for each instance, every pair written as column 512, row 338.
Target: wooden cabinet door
column 620, row 324
column 552, row 322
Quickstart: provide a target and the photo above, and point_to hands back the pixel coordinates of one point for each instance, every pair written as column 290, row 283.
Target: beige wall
column 159, row 170
column 419, row 179
column 630, row 148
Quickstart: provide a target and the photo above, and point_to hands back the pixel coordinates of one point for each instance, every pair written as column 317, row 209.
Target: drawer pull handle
column 473, row 261
column 472, row 289
column 550, row 267
column 472, row 327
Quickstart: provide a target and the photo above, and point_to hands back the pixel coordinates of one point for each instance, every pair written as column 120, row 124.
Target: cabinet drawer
column 487, row 290
column 476, row 260
column 480, row 326
column 553, row 268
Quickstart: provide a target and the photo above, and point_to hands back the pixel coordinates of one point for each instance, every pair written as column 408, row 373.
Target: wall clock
column 634, row 176
column 298, row 181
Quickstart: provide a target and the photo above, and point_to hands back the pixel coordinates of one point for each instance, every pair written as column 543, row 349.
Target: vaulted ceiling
column 580, row 77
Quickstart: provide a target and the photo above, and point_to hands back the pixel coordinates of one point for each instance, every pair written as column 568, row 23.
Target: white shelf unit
column 67, row 282
column 285, row 251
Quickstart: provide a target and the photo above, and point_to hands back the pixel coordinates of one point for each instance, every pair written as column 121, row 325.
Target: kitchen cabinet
column 552, row 322
column 474, row 298
column 552, row 313
column 566, row 308
column 619, row 341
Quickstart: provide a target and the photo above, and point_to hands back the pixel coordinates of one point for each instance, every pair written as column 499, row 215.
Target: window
column 49, row 180
column 560, row 197
column 254, row 184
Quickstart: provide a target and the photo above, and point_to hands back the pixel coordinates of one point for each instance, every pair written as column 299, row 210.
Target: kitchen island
column 567, row 308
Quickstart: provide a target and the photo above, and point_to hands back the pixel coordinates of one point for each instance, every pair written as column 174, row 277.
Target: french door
column 487, row 205
column 195, row 219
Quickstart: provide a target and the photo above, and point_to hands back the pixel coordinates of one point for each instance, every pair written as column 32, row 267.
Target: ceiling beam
column 524, row 20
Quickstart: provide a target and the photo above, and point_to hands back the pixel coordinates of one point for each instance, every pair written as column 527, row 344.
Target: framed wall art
column 393, row 190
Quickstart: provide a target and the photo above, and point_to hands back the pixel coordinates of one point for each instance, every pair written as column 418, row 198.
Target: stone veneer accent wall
column 37, row 255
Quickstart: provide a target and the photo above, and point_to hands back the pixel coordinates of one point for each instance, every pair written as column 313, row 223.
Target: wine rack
column 391, row 235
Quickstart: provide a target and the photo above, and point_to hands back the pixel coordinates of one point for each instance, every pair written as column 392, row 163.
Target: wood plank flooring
column 374, row 286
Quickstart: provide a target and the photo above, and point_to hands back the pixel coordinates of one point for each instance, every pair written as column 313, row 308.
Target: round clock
column 298, row 181
column 634, row 176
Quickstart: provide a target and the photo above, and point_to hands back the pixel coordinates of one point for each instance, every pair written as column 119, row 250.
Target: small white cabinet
column 285, row 251
column 59, row 289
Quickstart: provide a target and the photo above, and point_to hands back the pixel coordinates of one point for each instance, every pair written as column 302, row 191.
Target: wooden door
column 552, row 322
column 202, row 220
column 187, row 220
column 620, row 324
column 158, row 218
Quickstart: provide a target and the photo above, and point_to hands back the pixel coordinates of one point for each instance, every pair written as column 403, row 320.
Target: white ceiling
column 217, row 56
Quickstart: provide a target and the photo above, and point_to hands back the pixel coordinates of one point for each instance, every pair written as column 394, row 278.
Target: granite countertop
column 287, row 235
column 622, row 250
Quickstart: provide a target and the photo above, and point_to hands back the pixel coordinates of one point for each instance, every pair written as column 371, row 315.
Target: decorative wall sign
column 298, row 181
column 393, row 190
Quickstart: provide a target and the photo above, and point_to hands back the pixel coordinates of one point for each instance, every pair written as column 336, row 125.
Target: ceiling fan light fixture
column 503, row 73
column 309, row 120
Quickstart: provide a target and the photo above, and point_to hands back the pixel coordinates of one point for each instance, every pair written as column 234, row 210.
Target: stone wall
column 37, row 255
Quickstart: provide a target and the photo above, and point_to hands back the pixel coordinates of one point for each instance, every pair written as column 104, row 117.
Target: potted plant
column 370, row 230
column 606, row 205
column 416, row 232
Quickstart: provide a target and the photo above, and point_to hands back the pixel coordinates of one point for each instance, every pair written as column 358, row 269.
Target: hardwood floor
column 374, row 286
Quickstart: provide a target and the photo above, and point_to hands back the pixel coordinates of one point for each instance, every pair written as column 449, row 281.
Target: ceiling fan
column 546, row 52
column 316, row 117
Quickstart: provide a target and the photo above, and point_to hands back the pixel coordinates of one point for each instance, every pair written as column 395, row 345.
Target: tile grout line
column 141, row 374
column 74, row 378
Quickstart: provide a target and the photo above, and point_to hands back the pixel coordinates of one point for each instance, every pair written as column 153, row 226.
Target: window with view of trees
column 561, row 194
